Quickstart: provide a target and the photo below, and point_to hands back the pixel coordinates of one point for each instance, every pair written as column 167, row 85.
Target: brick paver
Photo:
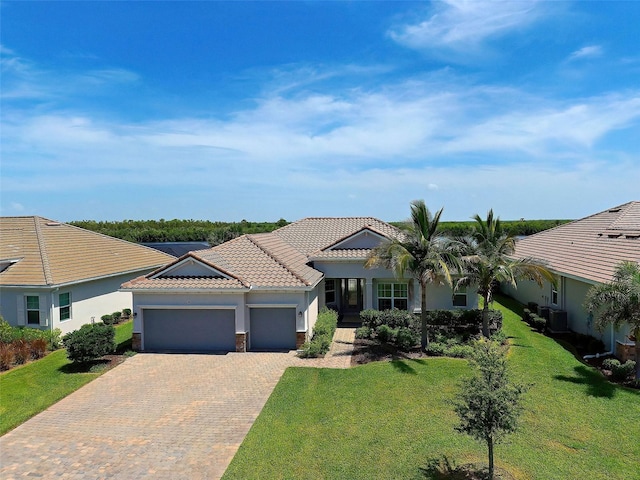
column 156, row 416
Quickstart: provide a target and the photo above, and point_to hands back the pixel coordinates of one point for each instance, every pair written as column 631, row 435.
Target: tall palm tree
column 489, row 258
column 422, row 251
column 618, row 302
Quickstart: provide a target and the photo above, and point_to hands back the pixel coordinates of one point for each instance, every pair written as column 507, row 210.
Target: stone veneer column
column 136, row 341
column 301, row 337
column 241, row 342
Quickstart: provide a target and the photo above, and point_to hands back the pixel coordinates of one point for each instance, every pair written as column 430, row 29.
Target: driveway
column 155, row 416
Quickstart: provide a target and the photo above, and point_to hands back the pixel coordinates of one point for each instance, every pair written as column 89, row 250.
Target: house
column 581, row 254
column 264, row 291
column 54, row 275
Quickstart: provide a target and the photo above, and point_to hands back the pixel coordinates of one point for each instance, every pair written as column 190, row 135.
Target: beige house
column 581, row 254
column 54, row 275
column 264, row 291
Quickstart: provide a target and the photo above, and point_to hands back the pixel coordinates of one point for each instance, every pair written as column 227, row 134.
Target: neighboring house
column 581, row 254
column 264, row 291
column 54, row 275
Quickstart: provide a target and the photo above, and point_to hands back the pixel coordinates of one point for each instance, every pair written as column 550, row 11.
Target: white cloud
column 463, row 27
column 590, row 51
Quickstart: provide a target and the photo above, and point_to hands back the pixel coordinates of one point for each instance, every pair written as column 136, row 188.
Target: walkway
column 156, row 416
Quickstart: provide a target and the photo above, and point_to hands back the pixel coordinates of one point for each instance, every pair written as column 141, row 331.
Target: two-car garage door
column 189, row 330
column 210, row 330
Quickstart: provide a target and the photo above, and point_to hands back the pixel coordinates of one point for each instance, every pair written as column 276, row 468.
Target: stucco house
column 55, row 275
column 264, row 291
column 581, row 254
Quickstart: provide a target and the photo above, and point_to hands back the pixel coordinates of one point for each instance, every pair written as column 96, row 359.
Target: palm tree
column 489, row 258
column 618, row 302
column 421, row 251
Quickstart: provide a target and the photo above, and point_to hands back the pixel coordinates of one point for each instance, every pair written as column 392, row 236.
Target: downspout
column 605, row 354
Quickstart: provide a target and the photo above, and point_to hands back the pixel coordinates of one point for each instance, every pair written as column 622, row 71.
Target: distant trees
column 147, row 231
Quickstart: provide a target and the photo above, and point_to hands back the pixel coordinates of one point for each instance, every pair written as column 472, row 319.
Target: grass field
column 387, row 420
column 29, row 389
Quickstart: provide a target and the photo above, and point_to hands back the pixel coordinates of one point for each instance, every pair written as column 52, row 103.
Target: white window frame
column 67, row 306
column 332, row 290
column 396, row 289
column 554, row 295
column 27, row 309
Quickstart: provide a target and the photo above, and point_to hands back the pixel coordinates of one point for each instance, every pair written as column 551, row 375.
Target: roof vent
column 53, row 224
column 614, row 210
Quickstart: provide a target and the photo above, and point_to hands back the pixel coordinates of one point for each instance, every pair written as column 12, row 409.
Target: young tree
column 489, row 403
column 421, row 251
column 618, row 302
column 488, row 259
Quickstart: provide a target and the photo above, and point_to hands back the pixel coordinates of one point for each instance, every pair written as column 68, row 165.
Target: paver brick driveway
column 156, row 416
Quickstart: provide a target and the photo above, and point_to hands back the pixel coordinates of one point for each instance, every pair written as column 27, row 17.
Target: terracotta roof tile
column 54, row 253
column 589, row 248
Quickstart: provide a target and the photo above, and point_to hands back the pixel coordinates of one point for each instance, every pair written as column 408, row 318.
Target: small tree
column 90, row 342
column 489, row 403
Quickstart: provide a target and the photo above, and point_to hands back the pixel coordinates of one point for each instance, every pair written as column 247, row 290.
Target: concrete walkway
column 156, row 416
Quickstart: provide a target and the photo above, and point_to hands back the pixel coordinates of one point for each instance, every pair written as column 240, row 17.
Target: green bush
column 323, row 331
column 619, row 372
column 436, row 349
column 539, row 323
column 406, row 339
column 107, row 319
column 126, row 312
column 500, row 337
column 364, row 332
column 526, row 316
column 90, row 342
column 459, row 351
column 370, row 318
column 116, row 317
column 385, row 334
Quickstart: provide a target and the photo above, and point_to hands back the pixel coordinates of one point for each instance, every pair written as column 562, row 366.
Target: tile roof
column 279, row 259
column 54, row 253
column 589, row 248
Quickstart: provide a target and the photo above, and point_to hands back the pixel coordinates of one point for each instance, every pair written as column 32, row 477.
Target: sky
column 267, row 110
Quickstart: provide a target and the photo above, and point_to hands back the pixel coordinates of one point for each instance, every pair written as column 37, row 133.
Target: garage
column 189, row 330
column 273, row 328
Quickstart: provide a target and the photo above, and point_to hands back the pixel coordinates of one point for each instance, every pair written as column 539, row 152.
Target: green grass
column 29, row 389
column 387, row 420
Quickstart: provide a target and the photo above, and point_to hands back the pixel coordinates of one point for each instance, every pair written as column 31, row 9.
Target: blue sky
column 268, row 110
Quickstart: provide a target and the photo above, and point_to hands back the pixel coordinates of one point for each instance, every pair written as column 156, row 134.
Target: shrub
column 90, row 342
column 7, row 356
column 538, row 323
column 385, row 334
column 406, row 339
column 116, row 317
column 620, row 372
column 610, row 363
column 6, row 332
column 500, row 337
column 526, row 316
column 370, row 318
column 21, row 350
column 126, row 312
column 364, row 332
column 436, row 349
column 323, row 332
column 107, row 319
column 459, row 351
column 38, row 348
column 532, row 306
column 54, row 338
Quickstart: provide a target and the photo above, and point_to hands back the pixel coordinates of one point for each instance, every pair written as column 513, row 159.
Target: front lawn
column 388, row 419
column 29, row 389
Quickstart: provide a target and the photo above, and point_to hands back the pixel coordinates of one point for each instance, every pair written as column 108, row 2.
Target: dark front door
column 351, row 295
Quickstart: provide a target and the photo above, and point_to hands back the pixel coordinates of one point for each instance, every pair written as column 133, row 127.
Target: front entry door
column 351, row 295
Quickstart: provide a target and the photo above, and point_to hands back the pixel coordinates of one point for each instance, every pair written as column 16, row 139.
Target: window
column 64, row 300
column 33, row 310
column 393, row 295
column 554, row 295
column 460, row 297
column 329, row 291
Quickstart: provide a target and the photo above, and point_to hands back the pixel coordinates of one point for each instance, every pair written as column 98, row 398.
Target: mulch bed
column 367, row 351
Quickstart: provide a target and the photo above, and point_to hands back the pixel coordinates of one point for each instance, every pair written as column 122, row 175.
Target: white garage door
column 273, row 328
column 189, row 330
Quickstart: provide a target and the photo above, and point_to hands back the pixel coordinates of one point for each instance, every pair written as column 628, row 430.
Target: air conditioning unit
column 543, row 312
column 557, row 321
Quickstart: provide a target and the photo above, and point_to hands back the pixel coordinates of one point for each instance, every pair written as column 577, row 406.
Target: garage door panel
column 189, row 330
column 273, row 328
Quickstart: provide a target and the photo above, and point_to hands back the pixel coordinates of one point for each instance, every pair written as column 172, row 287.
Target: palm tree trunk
column 636, row 333
column 424, row 342
column 485, row 317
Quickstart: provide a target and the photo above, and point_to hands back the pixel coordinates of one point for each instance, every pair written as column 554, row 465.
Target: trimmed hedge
column 90, row 342
column 323, row 331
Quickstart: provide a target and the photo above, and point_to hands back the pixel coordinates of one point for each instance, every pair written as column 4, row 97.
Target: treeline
column 146, row 231
column 515, row 227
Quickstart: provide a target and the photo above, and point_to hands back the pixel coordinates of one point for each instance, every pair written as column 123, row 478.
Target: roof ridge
column 42, row 246
column 277, row 260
